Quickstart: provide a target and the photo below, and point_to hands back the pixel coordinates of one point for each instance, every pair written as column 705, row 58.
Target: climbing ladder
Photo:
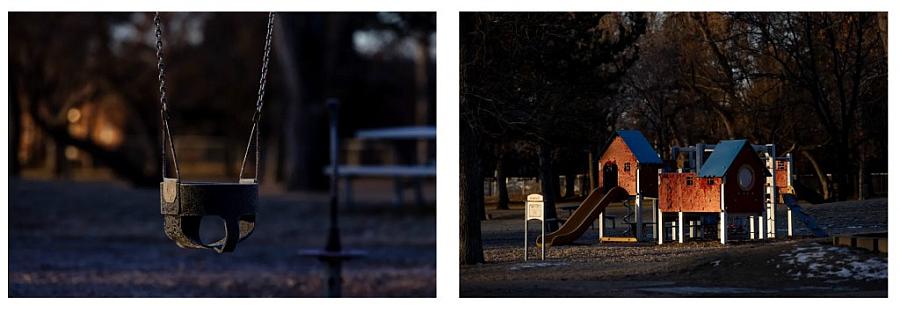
column 627, row 219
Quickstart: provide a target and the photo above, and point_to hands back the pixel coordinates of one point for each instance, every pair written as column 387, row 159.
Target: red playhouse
column 630, row 162
column 731, row 183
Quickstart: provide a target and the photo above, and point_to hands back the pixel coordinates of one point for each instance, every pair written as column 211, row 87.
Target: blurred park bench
column 403, row 175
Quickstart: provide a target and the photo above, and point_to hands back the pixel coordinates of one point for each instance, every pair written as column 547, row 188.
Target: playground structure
column 733, row 182
column 732, row 187
column 630, row 163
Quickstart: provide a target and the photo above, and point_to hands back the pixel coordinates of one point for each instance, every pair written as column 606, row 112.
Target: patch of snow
column 805, row 257
column 843, row 273
column 715, row 263
column 870, row 269
column 811, row 262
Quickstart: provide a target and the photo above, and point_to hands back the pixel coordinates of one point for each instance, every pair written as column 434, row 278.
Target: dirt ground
column 803, row 267
column 72, row 239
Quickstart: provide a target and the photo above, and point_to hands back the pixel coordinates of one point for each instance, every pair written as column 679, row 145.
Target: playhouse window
column 780, row 166
column 710, row 181
column 628, row 166
column 745, row 177
column 689, row 182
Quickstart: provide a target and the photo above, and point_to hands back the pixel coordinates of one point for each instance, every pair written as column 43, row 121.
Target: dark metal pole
column 334, row 235
column 333, row 255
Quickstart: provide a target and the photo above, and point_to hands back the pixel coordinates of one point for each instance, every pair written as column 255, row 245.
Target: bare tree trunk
column 823, row 178
column 841, row 182
column 15, row 125
column 548, row 180
column 502, row 191
column 861, row 176
column 295, row 147
column 591, row 179
column 60, row 164
column 727, row 121
column 883, row 28
column 471, row 195
column 570, row 186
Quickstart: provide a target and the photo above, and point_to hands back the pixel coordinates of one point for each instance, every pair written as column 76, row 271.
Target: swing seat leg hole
column 212, row 229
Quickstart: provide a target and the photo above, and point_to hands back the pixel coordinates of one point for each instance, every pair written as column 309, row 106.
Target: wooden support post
column 760, row 222
column 600, row 227
column 680, row 227
column 765, row 227
column 659, row 226
column 763, row 220
column 790, row 182
column 790, row 222
column 750, row 222
column 654, row 210
column 773, row 193
column 526, row 238
column 638, row 202
column 723, row 225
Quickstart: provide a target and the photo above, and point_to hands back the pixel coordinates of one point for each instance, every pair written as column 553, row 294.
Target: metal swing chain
column 260, row 95
column 164, row 102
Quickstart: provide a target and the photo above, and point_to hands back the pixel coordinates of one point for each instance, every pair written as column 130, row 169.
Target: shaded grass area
column 72, row 239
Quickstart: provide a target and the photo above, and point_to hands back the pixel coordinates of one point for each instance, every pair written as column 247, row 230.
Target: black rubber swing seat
column 184, row 204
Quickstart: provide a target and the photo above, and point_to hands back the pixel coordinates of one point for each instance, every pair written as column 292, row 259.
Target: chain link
column 163, row 101
column 261, row 93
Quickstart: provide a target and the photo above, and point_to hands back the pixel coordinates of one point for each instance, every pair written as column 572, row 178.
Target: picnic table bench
column 398, row 172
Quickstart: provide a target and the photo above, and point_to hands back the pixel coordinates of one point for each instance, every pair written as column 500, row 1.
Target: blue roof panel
column 639, row 146
column 721, row 158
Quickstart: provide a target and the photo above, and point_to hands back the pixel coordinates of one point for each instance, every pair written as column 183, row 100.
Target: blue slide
column 791, row 201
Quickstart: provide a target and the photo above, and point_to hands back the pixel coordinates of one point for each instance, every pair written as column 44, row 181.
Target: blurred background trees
column 814, row 84
column 84, row 90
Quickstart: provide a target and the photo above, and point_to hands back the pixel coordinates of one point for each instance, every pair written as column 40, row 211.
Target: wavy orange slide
column 583, row 217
